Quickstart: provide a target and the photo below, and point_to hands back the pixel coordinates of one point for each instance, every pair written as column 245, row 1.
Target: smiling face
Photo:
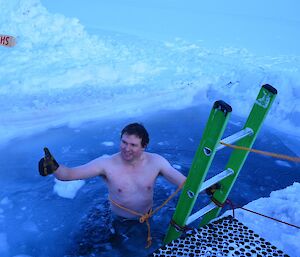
column 130, row 147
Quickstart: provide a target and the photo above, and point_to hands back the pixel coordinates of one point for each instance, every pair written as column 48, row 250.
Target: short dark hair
column 138, row 130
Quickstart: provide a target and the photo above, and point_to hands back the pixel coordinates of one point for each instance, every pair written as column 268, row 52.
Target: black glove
column 48, row 164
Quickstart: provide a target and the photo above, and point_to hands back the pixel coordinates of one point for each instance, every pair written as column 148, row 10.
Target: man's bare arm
column 170, row 173
column 92, row 169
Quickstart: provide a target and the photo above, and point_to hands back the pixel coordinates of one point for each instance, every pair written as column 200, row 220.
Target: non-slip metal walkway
column 224, row 237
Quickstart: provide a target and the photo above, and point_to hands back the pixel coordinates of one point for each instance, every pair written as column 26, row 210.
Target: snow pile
column 59, row 74
column 282, row 205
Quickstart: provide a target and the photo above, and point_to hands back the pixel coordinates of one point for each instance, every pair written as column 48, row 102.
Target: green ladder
column 209, row 145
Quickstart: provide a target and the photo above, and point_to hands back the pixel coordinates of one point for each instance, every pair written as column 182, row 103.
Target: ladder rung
column 208, row 183
column 201, row 212
column 235, row 137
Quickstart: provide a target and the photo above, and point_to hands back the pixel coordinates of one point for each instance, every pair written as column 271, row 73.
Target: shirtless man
column 129, row 174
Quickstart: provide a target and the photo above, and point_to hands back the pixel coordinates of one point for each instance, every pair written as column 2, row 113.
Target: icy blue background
column 82, row 70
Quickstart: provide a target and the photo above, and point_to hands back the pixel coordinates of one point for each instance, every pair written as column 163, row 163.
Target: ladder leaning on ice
column 209, row 145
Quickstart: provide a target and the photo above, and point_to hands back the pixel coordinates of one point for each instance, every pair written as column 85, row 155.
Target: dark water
column 37, row 222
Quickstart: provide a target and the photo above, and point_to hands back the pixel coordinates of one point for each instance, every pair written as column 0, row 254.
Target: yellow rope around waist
column 275, row 155
column 146, row 216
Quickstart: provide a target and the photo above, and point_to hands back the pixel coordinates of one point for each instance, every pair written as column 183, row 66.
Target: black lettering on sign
column 6, row 40
column 2, row 40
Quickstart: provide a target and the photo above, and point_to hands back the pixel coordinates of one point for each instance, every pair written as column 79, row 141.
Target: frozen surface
column 63, row 73
column 81, row 70
column 282, row 205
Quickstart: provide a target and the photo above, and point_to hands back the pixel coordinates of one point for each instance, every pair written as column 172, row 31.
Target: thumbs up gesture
column 47, row 165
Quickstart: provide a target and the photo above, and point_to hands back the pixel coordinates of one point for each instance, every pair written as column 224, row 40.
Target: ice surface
column 67, row 189
column 164, row 55
column 58, row 73
column 283, row 205
column 108, row 143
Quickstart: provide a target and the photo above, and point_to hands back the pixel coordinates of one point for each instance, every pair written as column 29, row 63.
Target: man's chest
column 132, row 180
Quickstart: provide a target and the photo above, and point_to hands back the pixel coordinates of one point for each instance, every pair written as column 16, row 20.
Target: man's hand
column 48, row 164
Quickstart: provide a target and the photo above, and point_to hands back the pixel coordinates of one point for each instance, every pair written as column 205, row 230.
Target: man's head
column 138, row 130
column 134, row 139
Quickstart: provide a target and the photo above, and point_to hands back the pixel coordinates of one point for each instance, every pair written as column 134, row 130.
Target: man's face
column 131, row 147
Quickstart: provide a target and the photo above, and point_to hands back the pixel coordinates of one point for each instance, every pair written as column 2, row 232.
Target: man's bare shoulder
column 108, row 159
column 103, row 164
column 154, row 157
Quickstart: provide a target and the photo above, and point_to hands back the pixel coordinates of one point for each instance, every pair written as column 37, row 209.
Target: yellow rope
column 275, row 155
column 145, row 217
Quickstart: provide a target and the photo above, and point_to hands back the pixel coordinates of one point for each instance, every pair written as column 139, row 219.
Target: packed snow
column 75, row 62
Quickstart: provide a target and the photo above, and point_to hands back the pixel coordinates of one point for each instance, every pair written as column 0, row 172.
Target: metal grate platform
column 224, row 237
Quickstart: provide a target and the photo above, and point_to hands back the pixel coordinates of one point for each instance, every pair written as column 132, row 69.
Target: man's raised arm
column 48, row 165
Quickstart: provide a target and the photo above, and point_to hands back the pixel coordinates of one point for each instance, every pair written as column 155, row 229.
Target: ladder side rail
column 237, row 158
column 212, row 134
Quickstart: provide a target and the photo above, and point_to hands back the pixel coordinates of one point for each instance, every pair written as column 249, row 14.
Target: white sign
column 7, row 41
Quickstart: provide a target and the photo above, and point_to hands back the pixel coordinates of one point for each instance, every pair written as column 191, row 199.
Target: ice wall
column 59, row 74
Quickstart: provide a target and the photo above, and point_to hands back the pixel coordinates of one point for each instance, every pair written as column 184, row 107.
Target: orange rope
column 145, row 217
column 275, row 155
